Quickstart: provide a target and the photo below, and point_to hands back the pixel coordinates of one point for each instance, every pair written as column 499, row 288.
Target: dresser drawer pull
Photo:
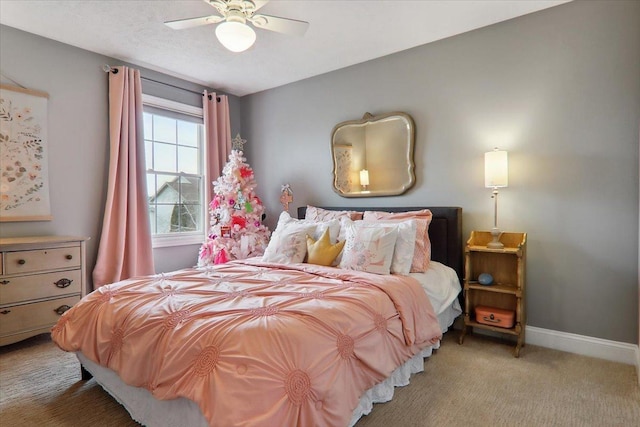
column 22, row 261
column 5, row 311
column 61, row 310
column 69, row 257
column 5, row 282
column 63, row 283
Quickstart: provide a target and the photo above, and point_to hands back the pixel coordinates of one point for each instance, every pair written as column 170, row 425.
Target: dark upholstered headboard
column 445, row 231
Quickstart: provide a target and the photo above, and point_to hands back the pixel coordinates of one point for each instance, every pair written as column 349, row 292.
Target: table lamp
column 496, row 175
column 364, row 179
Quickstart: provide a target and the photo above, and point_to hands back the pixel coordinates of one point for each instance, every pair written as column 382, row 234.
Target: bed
column 293, row 343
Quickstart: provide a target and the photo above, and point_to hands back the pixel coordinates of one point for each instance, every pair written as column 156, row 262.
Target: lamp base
column 495, row 243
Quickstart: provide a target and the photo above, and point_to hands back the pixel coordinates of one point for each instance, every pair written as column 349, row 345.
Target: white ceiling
column 341, row 33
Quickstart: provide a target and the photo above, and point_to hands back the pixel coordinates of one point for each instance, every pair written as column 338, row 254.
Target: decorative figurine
column 485, row 279
column 286, row 197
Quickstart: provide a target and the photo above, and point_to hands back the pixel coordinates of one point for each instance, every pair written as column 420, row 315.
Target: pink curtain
column 125, row 244
column 217, row 131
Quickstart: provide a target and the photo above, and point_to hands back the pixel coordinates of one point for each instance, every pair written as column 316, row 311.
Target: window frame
column 193, row 237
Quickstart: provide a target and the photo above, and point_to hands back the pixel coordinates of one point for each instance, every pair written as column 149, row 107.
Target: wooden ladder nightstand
column 507, row 291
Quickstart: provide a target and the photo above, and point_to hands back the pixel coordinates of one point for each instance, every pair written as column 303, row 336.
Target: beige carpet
column 476, row 384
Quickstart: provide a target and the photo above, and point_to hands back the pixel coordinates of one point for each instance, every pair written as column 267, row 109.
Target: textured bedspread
column 252, row 343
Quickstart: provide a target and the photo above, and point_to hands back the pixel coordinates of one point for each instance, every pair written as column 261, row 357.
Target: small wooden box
column 495, row 316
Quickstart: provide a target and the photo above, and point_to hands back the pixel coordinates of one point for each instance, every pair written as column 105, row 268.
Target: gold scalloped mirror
column 373, row 156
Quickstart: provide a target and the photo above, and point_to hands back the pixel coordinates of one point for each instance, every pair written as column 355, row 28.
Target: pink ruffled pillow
column 319, row 214
column 422, row 250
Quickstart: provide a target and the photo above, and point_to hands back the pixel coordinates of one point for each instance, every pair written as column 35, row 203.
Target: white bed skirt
column 151, row 412
column 148, row 411
column 383, row 392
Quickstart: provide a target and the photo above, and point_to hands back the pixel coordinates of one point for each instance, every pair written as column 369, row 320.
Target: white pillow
column 288, row 243
column 405, row 244
column 368, row 247
column 333, row 225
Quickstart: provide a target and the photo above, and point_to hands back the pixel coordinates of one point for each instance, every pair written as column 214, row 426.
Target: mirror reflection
column 373, row 156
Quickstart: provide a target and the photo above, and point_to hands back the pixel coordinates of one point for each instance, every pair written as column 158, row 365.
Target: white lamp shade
column 496, row 169
column 364, row 177
column 235, row 36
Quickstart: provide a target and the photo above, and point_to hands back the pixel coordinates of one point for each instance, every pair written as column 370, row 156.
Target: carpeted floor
column 475, row 384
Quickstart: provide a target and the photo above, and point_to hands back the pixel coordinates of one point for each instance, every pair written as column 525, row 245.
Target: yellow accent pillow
column 322, row 252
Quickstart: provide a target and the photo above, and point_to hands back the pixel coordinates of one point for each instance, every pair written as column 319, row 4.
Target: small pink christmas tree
column 236, row 212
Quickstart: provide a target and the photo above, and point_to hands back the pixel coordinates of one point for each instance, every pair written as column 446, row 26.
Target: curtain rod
column 106, row 68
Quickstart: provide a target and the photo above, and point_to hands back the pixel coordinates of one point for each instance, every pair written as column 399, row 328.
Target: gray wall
column 78, row 135
column 559, row 89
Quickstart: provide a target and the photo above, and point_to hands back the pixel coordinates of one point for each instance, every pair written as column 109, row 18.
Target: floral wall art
column 24, row 191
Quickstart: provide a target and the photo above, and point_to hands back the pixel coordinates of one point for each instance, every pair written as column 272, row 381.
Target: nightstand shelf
column 505, row 289
column 512, row 331
column 507, row 292
column 506, row 249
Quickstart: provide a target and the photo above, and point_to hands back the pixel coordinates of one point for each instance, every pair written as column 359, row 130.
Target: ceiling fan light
column 235, row 36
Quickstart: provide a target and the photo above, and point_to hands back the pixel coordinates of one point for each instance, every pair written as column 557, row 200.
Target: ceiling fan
column 233, row 31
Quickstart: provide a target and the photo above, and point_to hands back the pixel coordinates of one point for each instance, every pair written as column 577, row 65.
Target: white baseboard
column 587, row 346
column 614, row 351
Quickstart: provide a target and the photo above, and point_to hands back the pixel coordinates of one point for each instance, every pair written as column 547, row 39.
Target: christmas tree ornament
column 237, row 143
column 220, row 257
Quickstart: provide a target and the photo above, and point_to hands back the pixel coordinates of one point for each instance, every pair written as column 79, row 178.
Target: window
column 173, row 137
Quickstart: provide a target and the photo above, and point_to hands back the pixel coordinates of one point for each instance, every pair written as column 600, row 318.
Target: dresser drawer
column 38, row 286
column 33, row 316
column 41, row 259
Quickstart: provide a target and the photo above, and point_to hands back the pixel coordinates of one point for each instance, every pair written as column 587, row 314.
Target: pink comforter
column 252, row 343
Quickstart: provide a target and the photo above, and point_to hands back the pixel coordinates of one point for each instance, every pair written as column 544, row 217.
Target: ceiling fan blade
column 260, row 3
column 280, row 25
column 181, row 24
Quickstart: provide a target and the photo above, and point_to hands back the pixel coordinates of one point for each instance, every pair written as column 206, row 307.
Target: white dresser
column 40, row 278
